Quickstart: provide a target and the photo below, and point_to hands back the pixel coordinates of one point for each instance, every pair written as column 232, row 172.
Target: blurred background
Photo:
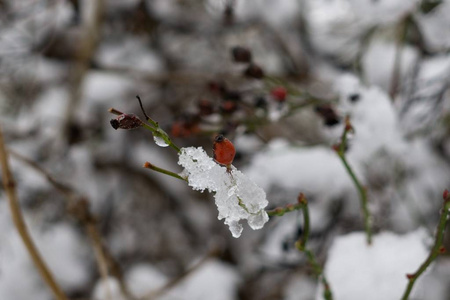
column 275, row 77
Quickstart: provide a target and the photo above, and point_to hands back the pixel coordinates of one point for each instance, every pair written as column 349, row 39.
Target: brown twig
column 79, row 207
column 9, row 184
column 85, row 51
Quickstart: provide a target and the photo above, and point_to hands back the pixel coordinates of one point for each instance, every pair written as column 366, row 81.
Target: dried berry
column 126, row 121
column 205, row 107
column 241, row 54
column 254, row 71
column 228, row 107
column 328, row 114
column 354, row 97
column 260, row 102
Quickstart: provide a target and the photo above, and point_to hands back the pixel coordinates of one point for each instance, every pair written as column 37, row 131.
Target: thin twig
column 147, row 118
column 301, row 246
column 401, row 35
column 340, row 150
column 85, row 51
column 437, row 249
column 280, row 211
column 9, row 185
column 150, row 166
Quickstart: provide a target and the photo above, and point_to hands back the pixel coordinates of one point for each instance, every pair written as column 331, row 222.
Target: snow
column 214, row 280
column 380, row 74
column 278, row 14
column 102, row 86
column 142, row 278
column 357, row 271
column 129, row 54
column 236, row 196
column 432, row 25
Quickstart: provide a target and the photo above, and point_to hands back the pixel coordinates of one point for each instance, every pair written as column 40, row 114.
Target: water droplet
column 160, row 141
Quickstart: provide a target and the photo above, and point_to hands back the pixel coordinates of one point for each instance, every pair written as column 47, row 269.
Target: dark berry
column 261, row 102
column 241, row 54
column 206, row 108
column 328, row 114
column 228, row 106
column 254, row 71
column 354, row 97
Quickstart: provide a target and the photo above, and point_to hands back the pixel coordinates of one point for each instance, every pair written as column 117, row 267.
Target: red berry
column 224, row 151
column 279, row 93
column 445, row 195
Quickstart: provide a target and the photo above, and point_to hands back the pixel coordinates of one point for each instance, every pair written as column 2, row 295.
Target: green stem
column 301, row 246
column 435, row 251
column 361, row 189
column 163, row 171
column 162, row 134
column 280, row 211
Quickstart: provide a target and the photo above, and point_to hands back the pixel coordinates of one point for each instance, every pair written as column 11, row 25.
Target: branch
column 280, row 211
column 301, row 246
column 9, row 185
column 340, row 150
column 437, row 249
column 78, row 206
column 150, row 166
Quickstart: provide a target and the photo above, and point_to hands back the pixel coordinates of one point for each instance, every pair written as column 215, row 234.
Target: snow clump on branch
column 236, row 196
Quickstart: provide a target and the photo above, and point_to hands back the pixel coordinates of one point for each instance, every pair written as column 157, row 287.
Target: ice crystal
column 236, row 196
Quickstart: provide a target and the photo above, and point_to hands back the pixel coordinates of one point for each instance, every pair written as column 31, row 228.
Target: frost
column 160, row 141
column 236, row 196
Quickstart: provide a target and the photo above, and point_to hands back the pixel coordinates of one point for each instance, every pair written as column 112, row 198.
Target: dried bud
column 241, row 54
column 445, row 195
column 254, row 71
column 126, row 121
column 442, row 250
column 410, row 276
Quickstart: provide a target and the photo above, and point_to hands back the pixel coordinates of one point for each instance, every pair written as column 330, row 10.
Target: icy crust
column 236, row 196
